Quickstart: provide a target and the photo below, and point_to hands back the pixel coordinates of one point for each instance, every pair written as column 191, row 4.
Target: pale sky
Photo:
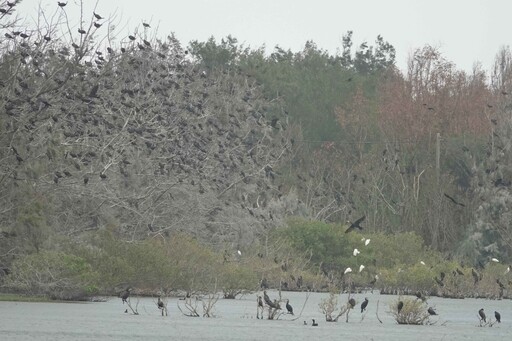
column 465, row 31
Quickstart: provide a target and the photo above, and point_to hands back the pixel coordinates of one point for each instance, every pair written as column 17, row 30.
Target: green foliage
column 54, row 274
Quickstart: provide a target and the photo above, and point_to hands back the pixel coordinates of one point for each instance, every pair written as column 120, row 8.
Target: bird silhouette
column 314, row 323
column 482, row 315
column 97, row 16
column 289, row 307
column 62, row 4
column 454, row 201
column 355, row 224
column 364, row 305
column 160, row 303
column 497, row 316
column 431, row 311
column 400, row 306
column 352, row 302
column 125, row 294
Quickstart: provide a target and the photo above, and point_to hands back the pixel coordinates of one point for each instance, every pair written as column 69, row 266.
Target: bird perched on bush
column 431, row 311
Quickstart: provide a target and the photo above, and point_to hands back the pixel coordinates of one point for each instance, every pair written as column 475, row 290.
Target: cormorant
column 482, row 314
column 160, row 304
column 431, row 311
column 352, row 302
column 289, row 307
column 125, row 295
column 266, row 298
column 355, row 224
column 364, row 304
column 260, row 302
column 497, row 316
column 314, row 323
column 400, row 306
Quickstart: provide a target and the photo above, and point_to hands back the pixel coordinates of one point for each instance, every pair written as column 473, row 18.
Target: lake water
column 236, row 320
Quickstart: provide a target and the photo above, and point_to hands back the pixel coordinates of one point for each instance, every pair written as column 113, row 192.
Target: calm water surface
column 236, row 320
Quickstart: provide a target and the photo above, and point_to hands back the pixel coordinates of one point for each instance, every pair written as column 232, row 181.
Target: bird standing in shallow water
column 482, row 315
column 364, row 305
column 497, row 316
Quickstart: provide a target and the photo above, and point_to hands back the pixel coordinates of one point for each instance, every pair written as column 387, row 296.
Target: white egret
column 495, row 260
column 356, row 252
column 367, row 242
column 347, row 270
column 361, row 267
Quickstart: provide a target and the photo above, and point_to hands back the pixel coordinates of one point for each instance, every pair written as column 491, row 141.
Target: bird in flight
column 454, row 201
column 355, row 224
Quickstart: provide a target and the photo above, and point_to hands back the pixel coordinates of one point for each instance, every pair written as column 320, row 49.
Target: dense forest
column 130, row 161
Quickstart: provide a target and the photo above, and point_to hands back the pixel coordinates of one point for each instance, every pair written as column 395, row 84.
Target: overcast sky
column 465, row 31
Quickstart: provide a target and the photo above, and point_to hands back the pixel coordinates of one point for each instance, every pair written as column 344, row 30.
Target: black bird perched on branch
column 125, row 294
column 267, row 299
column 352, row 303
column 160, row 303
column 97, row 16
column 62, row 4
column 355, row 224
column 482, row 314
column 289, row 307
column 431, row 311
column 400, row 306
column 497, row 316
column 364, row 305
